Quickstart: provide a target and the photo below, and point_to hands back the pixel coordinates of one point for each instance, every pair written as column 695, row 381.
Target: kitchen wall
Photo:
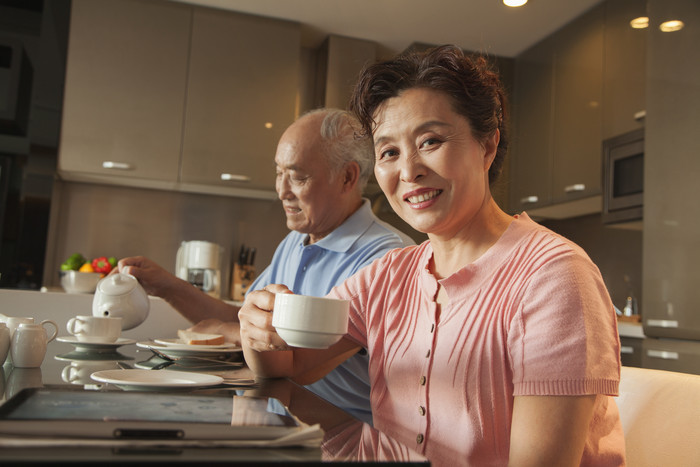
column 98, row 220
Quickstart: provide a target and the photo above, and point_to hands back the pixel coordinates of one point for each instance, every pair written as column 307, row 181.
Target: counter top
column 630, row 329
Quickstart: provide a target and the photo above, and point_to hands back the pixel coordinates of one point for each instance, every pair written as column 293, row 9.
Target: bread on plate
column 199, row 338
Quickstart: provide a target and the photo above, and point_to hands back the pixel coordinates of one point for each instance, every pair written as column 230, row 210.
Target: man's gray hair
column 340, row 130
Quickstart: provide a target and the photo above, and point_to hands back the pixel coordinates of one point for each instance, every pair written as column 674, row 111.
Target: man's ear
column 350, row 176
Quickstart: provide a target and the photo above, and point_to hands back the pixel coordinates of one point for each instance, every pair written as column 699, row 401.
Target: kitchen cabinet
column 168, row 96
column 624, row 75
column 339, row 62
column 556, row 157
column 530, row 158
column 671, row 355
column 671, row 242
column 241, row 96
column 124, row 92
column 631, row 351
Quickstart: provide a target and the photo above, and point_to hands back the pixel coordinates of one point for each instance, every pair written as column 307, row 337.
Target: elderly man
column 322, row 168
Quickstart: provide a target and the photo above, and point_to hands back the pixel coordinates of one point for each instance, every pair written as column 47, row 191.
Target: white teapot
column 121, row 295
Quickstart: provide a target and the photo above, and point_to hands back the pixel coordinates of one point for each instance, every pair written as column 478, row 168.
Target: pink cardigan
column 532, row 316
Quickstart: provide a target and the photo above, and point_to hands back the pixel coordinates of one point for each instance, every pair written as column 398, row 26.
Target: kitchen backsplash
column 118, row 221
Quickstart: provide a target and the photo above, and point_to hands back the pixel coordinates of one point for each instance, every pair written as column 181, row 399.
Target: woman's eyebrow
column 419, row 129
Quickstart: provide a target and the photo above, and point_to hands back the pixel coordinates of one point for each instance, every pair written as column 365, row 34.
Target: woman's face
column 432, row 170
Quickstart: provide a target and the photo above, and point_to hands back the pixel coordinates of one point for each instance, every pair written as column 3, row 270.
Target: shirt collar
column 344, row 236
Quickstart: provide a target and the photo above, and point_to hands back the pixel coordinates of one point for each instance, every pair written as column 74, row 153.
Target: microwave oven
column 623, row 177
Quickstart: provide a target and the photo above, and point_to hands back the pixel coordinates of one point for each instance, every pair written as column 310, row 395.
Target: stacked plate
column 175, row 348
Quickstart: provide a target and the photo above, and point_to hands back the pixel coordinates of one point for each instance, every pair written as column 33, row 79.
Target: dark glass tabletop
column 345, row 438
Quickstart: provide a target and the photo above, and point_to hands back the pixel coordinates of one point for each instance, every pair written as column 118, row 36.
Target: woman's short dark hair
column 473, row 87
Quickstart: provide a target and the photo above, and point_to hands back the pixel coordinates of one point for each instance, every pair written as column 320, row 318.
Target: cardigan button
column 419, row 438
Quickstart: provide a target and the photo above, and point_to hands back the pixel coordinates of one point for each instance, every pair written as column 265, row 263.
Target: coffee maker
column 199, row 263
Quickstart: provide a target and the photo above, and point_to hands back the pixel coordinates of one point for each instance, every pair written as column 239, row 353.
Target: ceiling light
column 640, row 23
column 514, row 3
column 670, row 26
column 268, row 125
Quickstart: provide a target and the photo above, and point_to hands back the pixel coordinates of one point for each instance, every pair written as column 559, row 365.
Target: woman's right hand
column 255, row 316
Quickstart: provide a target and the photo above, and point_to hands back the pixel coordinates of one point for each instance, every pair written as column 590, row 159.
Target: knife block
column 241, row 279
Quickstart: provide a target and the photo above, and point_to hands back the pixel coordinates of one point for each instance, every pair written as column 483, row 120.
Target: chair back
column 660, row 414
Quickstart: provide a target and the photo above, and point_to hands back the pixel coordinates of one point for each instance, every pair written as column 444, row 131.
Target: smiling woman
column 500, row 332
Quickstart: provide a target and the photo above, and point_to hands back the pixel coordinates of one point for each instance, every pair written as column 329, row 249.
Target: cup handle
column 71, row 325
column 67, row 374
column 55, row 329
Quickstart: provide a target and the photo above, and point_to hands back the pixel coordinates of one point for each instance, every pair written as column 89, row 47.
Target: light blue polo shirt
column 316, row 269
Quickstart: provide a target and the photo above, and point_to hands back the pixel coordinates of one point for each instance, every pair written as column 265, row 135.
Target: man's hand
column 154, row 279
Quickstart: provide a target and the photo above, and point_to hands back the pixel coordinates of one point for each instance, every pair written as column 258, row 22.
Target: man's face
column 305, row 184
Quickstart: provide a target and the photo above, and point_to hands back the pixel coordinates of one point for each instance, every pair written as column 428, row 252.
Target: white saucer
column 149, row 380
column 88, row 346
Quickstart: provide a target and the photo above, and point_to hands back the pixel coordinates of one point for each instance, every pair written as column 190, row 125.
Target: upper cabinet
column 125, row 90
column 624, row 79
column 241, row 96
column 164, row 95
column 556, row 157
column 577, row 108
column 339, row 63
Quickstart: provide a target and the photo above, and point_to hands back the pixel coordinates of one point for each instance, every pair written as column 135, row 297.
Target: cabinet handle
column 575, row 187
column 529, row 199
column 662, row 323
column 640, row 115
column 235, row 177
column 117, row 165
column 626, row 349
column 665, row 354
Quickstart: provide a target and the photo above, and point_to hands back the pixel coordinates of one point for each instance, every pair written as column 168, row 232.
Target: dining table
column 343, row 438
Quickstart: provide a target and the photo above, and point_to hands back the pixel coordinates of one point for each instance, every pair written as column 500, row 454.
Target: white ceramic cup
column 98, row 329
column 311, row 322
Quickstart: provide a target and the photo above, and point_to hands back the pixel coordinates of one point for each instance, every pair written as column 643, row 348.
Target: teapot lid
column 117, row 284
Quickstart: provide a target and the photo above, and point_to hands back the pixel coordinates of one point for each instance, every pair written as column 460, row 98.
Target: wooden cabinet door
column 530, row 156
column 125, row 88
column 241, row 96
column 576, row 129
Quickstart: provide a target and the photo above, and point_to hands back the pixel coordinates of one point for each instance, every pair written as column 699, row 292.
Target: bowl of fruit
column 81, row 275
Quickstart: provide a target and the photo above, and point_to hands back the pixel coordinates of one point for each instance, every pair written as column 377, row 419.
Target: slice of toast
column 198, row 338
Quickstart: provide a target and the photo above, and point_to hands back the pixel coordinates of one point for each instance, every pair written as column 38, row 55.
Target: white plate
column 178, row 344
column 175, row 352
column 144, row 380
column 87, row 346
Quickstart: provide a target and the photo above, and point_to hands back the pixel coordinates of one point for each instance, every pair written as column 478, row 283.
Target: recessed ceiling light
column 514, row 3
column 640, row 23
column 670, row 26
column 268, row 125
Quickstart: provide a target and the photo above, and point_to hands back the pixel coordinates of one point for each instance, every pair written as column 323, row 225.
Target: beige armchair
column 660, row 413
